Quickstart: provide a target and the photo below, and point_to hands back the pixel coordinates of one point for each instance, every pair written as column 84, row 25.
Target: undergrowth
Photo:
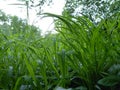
column 81, row 56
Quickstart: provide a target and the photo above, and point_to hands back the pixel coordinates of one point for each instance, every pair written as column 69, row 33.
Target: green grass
column 81, row 56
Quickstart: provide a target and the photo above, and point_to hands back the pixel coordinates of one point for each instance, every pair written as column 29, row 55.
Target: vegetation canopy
column 81, row 56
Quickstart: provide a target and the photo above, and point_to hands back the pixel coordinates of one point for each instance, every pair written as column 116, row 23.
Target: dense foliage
column 95, row 10
column 81, row 56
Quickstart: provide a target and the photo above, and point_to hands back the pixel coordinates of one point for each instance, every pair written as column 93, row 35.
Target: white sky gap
column 20, row 11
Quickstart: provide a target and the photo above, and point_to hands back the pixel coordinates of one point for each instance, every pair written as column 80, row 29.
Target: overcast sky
column 20, row 11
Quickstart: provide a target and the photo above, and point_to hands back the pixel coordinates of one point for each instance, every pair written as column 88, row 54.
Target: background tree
column 95, row 10
column 13, row 25
column 36, row 3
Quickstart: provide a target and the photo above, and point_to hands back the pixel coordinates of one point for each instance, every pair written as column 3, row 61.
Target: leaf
column 61, row 88
column 30, row 69
column 17, row 83
column 80, row 88
column 109, row 81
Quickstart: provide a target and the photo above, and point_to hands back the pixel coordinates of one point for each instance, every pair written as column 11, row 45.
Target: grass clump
column 81, row 56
